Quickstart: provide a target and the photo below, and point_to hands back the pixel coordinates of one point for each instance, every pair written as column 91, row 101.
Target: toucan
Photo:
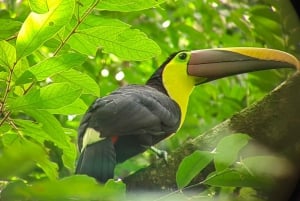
column 133, row 118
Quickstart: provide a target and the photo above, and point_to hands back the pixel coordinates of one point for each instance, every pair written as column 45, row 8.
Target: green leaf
column 48, row 129
column 8, row 28
column 51, row 66
column 7, row 55
column 235, row 178
column 117, row 185
column 82, row 7
column 116, row 38
column 39, row 6
column 79, row 80
column 77, row 107
column 20, row 68
column 269, row 24
column 133, row 44
column 191, row 166
column 22, row 161
column 78, row 187
column 267, row 166
column 38, row 28
column 33, row 130
column 265, row 11
column 49, row 97
column 52, row 127
column 128, row 6
column 107, row 29
column 227, row 150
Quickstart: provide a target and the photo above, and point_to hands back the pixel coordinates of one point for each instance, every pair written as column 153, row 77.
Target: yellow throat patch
column 178, row 83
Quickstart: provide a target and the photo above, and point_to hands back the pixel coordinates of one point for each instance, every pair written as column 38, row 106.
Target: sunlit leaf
column 38, row 28
column 49, row 97
column 191, row 166
column 79, row 80
column 77, row 107
column 117, row 38
column 84, row 41
column 127, row 6
column 7, row 55
column 9, row 28
column 39, row 6
column 51, row 66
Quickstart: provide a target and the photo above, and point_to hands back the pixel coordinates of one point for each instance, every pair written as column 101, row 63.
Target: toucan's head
column 186, row 69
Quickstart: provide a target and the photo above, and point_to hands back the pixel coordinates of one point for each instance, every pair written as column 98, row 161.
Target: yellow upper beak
column 217, row 63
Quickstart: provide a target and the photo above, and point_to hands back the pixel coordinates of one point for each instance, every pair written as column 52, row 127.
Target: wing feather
column 132, row 110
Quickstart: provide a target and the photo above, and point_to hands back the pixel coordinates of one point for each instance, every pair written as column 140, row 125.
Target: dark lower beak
column 213, row 64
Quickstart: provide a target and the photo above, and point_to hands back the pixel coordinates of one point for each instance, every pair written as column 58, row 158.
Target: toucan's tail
column 98, row 160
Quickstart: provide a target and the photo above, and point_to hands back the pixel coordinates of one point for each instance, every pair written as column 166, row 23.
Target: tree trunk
column 274, row 125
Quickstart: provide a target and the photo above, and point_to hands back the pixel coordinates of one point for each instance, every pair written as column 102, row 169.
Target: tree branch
column 273, row 123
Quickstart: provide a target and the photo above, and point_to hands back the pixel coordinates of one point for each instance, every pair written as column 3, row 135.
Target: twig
column 12, row 37
column 194, row 185
column 79, row 21
column 4, row 118
column 26, row 90
column 7, row 89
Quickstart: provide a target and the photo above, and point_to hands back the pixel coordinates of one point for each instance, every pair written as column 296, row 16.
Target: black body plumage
column 130, row 120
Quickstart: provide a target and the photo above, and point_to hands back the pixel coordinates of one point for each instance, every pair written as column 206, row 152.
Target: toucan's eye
column 182, row 56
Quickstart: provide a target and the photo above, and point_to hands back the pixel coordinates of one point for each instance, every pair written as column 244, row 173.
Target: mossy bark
column 274, row 125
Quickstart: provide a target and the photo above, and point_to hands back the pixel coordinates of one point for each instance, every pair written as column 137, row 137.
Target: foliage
column 229, row 171
column 55, row 56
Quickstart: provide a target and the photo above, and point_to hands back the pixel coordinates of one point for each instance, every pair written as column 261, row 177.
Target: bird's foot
column 160, row 153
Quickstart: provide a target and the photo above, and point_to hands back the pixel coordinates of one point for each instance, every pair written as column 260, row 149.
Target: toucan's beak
column 212, row 64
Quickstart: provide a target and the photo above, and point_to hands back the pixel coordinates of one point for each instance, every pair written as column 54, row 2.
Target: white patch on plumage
column 90, row 136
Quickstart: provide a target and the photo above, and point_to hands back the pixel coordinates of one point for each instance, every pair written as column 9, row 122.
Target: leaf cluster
column 43, row 52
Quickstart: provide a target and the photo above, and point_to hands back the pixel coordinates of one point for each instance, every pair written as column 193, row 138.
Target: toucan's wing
column 132, row 110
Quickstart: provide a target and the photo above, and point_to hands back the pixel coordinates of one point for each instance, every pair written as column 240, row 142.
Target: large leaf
column 52, row 127
column 115, row 37
column 33, row 130
column 77, row 107
column 51, row 66
column 236, row 178
column 38, row 28
column 28, row 155
column 128, row 6
column 7, row 55
column 8, row 28
column 47, row 128
column 79, row 80
column 109, row 28
column 191, row 166
column 52, row 96
column 79, row 187
column 227, row 150
column 39, row 6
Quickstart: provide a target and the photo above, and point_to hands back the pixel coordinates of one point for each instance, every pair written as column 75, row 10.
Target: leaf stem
column 27, row 90
column 7, row 89
column 79, row 21
column 4, row 118
column 195, row 185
